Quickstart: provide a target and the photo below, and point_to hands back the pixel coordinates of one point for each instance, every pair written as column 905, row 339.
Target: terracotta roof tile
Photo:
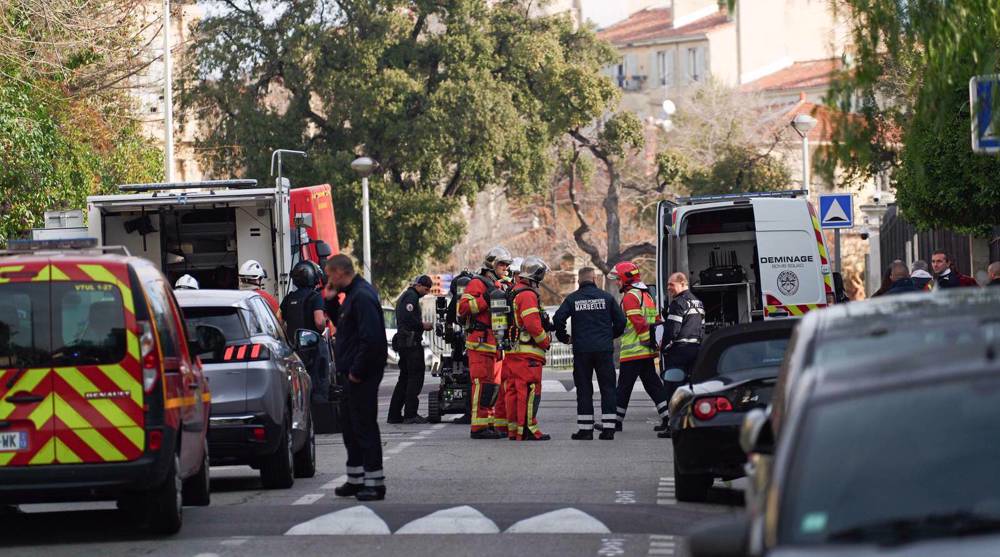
column 654, row 24
column 800, row 75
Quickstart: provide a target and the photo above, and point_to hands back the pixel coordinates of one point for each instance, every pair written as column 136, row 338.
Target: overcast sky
column 604, row 12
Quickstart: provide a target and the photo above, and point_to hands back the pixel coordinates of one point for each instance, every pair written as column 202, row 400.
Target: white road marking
column 624, row 497
column 426, row 432
column 611, row 547
column 562, row 521
column 417, row 438
column 456, row 520
column 666, row 502
column 439, row 426
column 353, row 521
column 308, row 499
column 553, row 386
column 399, row 448
column 660, row 544
column 334, row 484
column 236, row 541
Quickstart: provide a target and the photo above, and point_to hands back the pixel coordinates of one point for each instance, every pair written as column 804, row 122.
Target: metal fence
column 559, row 356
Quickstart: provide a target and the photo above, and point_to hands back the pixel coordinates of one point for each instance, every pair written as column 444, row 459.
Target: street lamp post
column 168, row 100
column 364, row 166
column 803, row 124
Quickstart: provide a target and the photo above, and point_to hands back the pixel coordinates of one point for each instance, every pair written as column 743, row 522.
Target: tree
column 448, row 96
column 65, row 132
column 911, row 66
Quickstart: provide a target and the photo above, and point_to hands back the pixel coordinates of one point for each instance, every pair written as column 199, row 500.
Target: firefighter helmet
column 515, row 266
column 497, row 254
column 534, row 269
column 305, row 274
column 252, row 273
column 186, row 282
column 626, row 272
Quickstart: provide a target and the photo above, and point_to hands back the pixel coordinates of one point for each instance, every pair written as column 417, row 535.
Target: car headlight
column 681, row 396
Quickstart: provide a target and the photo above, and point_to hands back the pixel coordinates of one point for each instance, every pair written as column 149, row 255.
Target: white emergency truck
column 208, row 229
column 748, row 257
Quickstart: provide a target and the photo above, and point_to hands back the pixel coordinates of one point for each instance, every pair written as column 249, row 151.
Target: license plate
column 13, row 441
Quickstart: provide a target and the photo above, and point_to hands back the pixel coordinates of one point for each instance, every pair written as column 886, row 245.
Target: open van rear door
column 664, row 231
column 792, row 259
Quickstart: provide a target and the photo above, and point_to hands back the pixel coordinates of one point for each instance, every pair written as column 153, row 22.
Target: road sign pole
column 836, row 247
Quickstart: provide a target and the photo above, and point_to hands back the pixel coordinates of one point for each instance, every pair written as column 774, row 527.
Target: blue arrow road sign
column 983, row 90
column 836, row 210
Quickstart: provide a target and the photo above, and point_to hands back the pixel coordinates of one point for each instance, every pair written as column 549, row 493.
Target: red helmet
column 627, row 272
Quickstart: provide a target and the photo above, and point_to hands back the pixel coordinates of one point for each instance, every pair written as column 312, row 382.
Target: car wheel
column 305, row 458
column 277, row 471
column 197, row 489
column 691, row 488
column 433, row 407
column 164, row 505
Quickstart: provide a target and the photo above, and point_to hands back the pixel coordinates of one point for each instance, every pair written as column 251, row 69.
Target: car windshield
column 892, row 466
column 226, row 319
column 855, row 347
column 61, row 324
column 743, row 361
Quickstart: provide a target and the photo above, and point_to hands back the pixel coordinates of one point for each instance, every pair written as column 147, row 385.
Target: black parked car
column 890, row 455
column 735, row 373
column 260, row 389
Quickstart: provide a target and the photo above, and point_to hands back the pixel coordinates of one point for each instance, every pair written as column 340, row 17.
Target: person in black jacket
column 302, row 308
column 360, row 351
column 408, row 343
column 597, row 321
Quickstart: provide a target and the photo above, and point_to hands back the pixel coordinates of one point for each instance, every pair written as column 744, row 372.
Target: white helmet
column 186, row 282
column 515, row 267
column 252, row 273
column 534, row 269
column 497, row 254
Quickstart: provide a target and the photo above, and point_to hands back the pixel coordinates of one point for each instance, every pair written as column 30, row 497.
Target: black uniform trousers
column 410, row 383
column 645, row 370
column 585, row 364
column 679, row 356
column 359, row 419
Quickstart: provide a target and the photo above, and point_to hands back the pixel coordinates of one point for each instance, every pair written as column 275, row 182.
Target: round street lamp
column 364, row 167
column 803, row 124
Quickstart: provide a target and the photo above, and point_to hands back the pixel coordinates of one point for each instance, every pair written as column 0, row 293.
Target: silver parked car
column 260, row 389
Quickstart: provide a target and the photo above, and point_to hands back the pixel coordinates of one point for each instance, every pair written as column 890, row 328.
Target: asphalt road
column 447, row 495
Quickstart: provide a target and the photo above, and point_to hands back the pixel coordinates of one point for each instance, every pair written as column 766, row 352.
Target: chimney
column 686, row 12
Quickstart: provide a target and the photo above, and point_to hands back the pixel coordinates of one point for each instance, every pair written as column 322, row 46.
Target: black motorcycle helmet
column 305, row 274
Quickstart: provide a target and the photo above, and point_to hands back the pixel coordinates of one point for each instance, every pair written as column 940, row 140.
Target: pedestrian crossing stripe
column 360, row 520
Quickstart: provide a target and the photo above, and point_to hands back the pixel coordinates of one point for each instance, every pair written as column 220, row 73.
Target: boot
column 394, row 420
column 665, row 434
column 664, row 425
column 418, row 419
column 348, row 490
column 542, row 437
column 484, row 434
column 371, row 493
column 584, row 435
column 608, row 435
column 618, row 426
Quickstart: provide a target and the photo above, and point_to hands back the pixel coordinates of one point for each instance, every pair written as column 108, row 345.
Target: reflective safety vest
column 530, row 338
column 635, row 345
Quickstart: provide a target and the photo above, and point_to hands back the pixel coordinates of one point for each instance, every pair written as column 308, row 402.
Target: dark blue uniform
column 361, row 350
column 297, row 312
column 409, row 334
column 597, row 321
column 685, row 327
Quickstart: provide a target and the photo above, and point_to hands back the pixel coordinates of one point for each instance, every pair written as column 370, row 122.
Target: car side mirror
column 756, row 434
column 306, row 339
column 727, row 537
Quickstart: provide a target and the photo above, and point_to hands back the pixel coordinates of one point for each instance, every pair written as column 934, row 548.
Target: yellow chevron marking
column 46, row 454
column 41, row 416
column 9, row 269
column 28, row 381
column 100, row 445
column 102, row 274
column 132, row 341
column 111, row 411
column 124, row 381
column 68, row 415
column 136, row 435
column 5, row 458
column 65, row 454
column 50, row 272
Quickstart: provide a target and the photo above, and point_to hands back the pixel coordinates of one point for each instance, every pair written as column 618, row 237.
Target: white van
column 748, row 257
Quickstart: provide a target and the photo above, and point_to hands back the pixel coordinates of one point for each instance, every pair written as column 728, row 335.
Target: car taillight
column 155, row 440
column 259, row 434
column 150, row 358
column 707, row 408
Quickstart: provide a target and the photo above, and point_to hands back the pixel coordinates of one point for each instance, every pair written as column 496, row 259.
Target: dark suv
column 100, row 396
column 261, row 390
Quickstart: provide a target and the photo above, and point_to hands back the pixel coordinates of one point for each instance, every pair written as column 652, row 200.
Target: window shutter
column 654, row 68
column 668, row 78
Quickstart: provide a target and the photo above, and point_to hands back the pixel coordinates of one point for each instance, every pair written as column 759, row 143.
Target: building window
column 665, row 67
column 696, row 65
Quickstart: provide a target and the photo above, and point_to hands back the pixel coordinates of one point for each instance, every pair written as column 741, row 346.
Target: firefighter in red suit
column 526, row 358
column 481, row 343
column 500, row 414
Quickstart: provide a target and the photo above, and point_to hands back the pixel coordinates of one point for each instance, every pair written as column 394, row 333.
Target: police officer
column 597, row 321
column 637, row 356
column 481, row 343
column 408, row 343
column 531, row 341
column 684, row 329
column 302, row 308
column 361, row 351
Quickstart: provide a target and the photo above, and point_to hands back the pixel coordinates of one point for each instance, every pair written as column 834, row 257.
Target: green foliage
column 56, row 150
column 740, row 169
column 448, row 96
column 620, row 134
column 911, row 68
